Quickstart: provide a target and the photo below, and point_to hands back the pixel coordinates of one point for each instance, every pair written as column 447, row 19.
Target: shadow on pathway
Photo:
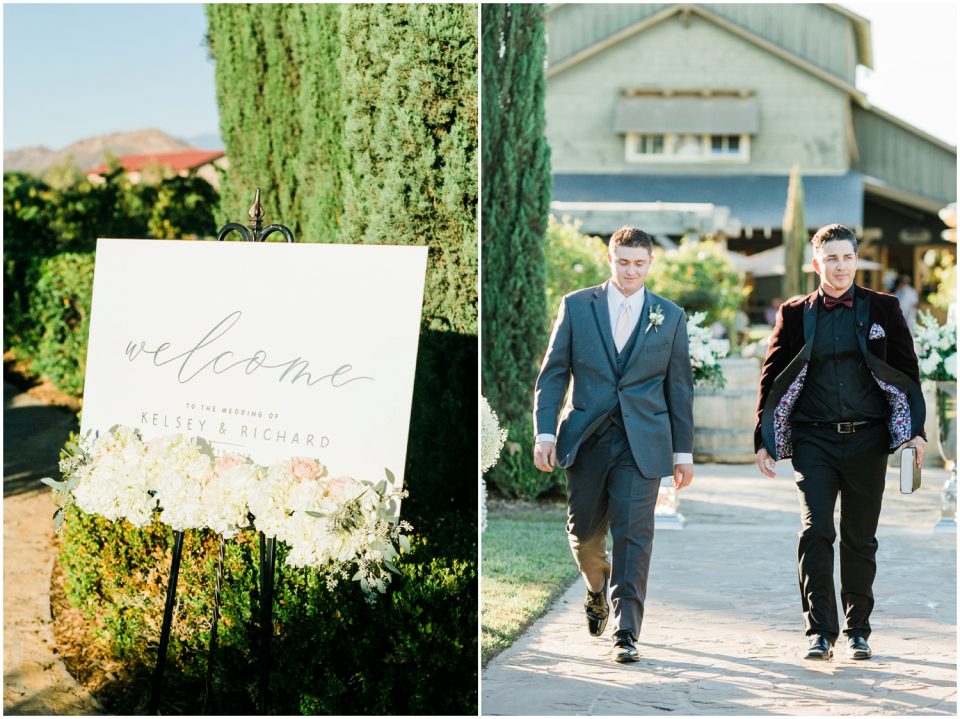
column 35, row 681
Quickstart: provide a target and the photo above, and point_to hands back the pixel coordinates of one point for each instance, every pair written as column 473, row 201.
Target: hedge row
column 52, row 333
column 40, row 221
column 333, row 653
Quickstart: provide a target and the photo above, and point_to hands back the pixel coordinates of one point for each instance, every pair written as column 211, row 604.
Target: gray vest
column 615, row 416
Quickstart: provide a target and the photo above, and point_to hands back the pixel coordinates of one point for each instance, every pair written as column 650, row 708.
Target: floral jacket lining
column 899, row 422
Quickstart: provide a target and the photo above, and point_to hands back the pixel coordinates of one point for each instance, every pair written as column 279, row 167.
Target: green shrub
column 183, row 207
column 27, row 206
column 40, row 222
column 413, row 652
column 55, row 340
column 515, row 475
column 699, row 277
column 945, row 277
column 574, row 261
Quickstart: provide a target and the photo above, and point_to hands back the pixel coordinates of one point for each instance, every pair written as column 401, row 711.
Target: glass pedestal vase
column 667, row 513
column 946, row 408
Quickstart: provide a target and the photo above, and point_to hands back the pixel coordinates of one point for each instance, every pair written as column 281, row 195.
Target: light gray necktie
column 624, row 326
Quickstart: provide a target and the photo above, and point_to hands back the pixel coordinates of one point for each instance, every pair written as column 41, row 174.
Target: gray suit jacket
column 655, row 391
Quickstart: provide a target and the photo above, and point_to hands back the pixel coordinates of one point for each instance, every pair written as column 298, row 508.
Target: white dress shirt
column 615, row 300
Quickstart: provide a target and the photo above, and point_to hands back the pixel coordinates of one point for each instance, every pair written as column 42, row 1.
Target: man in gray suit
column 628, row 421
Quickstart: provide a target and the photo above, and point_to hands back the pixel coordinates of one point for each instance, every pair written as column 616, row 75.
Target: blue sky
column 914, row 72
column 75, row 71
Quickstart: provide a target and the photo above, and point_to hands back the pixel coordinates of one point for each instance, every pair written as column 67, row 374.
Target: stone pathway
column 723, row 632
column 35, row 681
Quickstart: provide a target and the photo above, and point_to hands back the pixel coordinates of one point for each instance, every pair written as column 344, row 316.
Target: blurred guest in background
column 770, row 314
column 908, row 300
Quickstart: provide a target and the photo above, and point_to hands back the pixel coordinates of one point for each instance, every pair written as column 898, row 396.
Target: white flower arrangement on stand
column 345, row 527
column 705, row 353
column 492, row 438
column 111, row 478
column 936, row 347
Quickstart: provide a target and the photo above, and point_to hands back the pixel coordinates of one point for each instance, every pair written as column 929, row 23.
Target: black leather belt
column 844, row 427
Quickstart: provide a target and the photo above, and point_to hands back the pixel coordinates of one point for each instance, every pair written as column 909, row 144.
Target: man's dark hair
column 630, row 236
column 830, row 233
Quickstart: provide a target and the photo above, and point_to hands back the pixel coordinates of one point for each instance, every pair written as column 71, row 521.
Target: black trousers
column 854, row 466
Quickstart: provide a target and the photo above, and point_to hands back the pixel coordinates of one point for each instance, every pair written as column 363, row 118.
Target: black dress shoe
column 857, row 648
column 624, row 649
column 597, row 611
column 821, row 650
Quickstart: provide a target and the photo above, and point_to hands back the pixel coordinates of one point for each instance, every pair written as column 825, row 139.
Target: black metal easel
column 253, row 232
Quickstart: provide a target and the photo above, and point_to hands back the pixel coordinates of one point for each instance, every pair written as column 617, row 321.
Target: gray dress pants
column 606, row 490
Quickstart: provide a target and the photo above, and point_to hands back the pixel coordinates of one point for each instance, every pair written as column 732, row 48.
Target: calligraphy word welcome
column 197, row 360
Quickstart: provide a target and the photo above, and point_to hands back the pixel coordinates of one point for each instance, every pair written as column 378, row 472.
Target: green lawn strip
column 526, row 565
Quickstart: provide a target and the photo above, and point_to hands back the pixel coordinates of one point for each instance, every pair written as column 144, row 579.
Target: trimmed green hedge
column 40, row 222
column 516, row 476
column 413, row 652
column 58, row 305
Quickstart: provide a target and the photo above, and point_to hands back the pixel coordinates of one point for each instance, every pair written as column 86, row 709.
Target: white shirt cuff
column 678, row 457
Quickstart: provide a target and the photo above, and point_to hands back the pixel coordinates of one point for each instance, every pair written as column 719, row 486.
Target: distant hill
column 90, row 152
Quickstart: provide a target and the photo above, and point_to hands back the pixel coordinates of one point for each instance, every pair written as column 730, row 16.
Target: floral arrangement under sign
column 345, row 527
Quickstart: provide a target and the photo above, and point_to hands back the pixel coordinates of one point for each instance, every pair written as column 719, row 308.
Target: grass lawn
column 526, row 565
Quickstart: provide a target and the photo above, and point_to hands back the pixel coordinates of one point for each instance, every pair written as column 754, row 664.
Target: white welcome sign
column 272, row 350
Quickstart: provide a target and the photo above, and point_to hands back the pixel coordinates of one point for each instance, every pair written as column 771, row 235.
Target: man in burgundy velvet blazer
column 839, row 391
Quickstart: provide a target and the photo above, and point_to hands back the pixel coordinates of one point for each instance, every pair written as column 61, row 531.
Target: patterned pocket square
column 876, row 332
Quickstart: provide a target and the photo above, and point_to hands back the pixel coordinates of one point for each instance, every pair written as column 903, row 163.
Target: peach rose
column 304, row 468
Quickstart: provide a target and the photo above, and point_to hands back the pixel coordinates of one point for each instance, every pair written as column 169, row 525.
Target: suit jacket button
column 620, row 388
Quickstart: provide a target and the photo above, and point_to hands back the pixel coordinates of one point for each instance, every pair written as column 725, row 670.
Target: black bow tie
column 830, row 302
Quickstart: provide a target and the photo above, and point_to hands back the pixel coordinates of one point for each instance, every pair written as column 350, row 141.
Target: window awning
column 753, row 200
column 701, row 115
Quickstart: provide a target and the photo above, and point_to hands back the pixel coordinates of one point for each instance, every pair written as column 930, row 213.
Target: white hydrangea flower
column 929, row 364
column 181, row 470
column 116, row 486
column 225, row 497
column 268, row 499
column 705, row 352
column 492, row 436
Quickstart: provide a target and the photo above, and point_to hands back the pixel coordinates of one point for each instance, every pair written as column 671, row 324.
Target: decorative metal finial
column 256, row 231
column 255, row 213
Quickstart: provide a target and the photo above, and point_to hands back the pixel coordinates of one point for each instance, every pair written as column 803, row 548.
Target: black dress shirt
column 838, row 387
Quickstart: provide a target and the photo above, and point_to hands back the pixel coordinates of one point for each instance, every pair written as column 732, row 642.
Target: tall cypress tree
column 315, row 45
column 280, row 117
column 516, row 203
column 410, row 136
column 410, row 133
column 794, row 238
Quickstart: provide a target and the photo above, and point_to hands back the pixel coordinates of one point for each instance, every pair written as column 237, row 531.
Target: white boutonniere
column 655, row 319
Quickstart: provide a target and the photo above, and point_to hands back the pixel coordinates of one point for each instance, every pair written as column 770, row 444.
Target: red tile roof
column 176, row 161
